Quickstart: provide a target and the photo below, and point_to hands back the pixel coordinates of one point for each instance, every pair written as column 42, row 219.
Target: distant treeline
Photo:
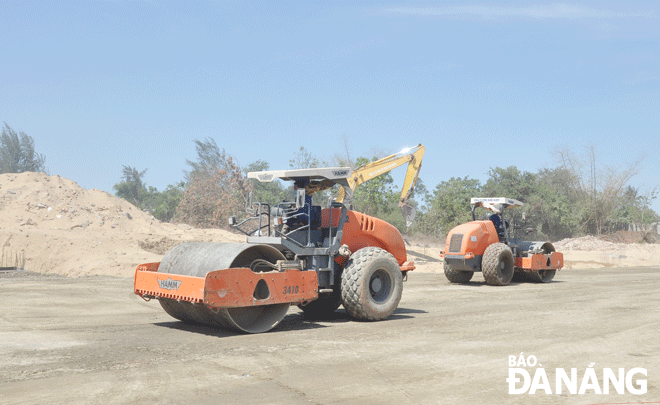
column 571, row 199
column 565, row 201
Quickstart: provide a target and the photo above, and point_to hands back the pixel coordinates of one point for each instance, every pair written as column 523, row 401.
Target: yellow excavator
column 412, row 156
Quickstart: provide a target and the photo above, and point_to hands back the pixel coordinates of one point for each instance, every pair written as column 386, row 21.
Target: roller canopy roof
column 510, row 202
column 497, row 205
column 326, row 173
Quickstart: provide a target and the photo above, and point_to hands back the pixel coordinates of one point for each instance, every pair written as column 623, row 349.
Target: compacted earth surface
column 90, row 340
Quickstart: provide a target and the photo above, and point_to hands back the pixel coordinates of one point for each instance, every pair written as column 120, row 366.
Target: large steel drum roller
column 199, row 258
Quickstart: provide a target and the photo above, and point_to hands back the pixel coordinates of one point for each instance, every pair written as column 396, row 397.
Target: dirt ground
column 90, row 340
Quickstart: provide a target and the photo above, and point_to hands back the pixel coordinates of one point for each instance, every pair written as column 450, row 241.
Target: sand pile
column 592, row 252
column 586, row 243
column 50, row 224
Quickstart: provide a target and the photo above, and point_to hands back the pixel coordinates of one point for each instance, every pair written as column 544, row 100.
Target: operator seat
column 301, row 218
column 499, row 226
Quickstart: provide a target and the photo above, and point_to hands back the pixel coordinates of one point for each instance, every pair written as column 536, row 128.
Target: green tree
column 600, row 193
column 375, row 197
column 162, row 205
column 634, row 209
column 303, row 159
column 215, row 190
column 540, row 197
column 270, row 193
column 131, row 187
column 17, row 154
column 209, row 158
column 448, row 206
column 420, row 194
column 418, row 201
column 556, row 211
column 510, row 183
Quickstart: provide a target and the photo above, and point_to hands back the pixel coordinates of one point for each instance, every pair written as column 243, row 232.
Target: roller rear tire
column 371, row 284
column 498, row 264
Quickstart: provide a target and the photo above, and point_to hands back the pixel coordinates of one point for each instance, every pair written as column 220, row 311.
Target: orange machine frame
column 241, row 287
column 540, row 261
column 478, row 235
column 361, row 230
column 227, row 288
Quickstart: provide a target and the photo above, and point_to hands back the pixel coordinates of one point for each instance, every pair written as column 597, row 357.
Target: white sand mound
column 591, row 252
column 55, row 226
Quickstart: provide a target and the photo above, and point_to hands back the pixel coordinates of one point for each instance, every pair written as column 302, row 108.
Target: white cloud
column 551, row 11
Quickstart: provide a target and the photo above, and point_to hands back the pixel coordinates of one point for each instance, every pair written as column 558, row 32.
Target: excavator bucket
column 225, row 284
column 408, row 212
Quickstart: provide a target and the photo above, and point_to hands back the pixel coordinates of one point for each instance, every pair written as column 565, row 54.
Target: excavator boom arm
column 412, row 156
column 412, row 173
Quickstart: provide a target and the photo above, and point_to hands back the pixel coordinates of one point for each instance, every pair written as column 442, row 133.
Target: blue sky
column 102, row 84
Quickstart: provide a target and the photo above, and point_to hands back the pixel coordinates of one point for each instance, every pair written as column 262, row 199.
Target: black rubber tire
column 322, row 307
column 371, row 284
column 498, row 264
column 457, row 276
